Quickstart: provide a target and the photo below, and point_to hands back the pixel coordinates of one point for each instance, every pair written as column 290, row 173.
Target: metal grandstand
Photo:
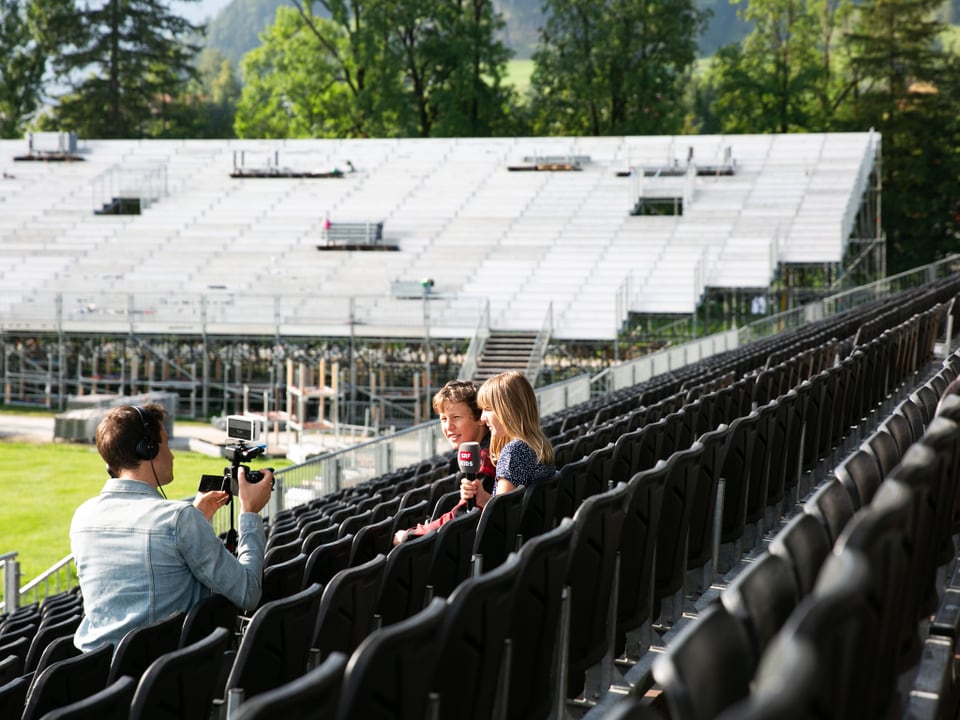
column 211, row 252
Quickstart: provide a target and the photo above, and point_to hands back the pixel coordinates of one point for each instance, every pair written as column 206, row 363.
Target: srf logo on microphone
column 466, row 456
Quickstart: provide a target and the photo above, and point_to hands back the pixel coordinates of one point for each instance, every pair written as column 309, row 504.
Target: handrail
column 472, row 358
column 540, row 346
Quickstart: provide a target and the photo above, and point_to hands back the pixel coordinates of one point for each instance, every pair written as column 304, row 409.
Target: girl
column 521, row 453
column 456, row 404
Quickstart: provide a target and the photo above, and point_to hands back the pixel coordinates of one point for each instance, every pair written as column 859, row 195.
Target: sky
column 200, row 11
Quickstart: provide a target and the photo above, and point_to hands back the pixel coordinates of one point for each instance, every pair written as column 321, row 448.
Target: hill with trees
column 235, row 29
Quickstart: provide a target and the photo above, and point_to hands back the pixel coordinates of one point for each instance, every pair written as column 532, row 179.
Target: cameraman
column 141, row 557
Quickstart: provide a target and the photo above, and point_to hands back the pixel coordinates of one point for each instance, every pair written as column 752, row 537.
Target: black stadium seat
column 638, row 540
column 805, row 543
column 707, row 667
column 315, row 694
column 68, row 681
column 391, row 673
column 182, row 685
column 471, row 656
column 142, row 645
column 403, row 588
column 211, row 612
column 498, row 528
column 111, row 703
column 452, row 553
column 534, row 623
column 346, row 612
column 590, row 575
column 832, row 505
column 327, row 560
column 275, row 646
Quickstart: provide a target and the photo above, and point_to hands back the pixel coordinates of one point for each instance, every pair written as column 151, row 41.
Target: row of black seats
column 735, row 659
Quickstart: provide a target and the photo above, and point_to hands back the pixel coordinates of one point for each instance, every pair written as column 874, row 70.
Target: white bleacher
column 522, row 241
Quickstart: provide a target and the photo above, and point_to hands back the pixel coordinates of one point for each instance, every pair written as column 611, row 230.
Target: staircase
column 506, row 350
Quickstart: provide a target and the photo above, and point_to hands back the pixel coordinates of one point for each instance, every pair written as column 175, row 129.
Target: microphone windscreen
column 468, row 458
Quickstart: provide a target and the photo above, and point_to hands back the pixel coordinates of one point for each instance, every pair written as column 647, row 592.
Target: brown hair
column 119, row 433
column 511, row 397
column 457, row 391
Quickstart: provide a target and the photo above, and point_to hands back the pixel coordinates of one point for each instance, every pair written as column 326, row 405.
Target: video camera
column 244, row 429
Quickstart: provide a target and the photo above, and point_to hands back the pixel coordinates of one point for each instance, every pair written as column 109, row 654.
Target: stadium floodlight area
column 213, row 253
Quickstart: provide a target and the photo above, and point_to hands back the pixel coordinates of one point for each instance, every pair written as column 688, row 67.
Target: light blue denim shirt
column 140, row 558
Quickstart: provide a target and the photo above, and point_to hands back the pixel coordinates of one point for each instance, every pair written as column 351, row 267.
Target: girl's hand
column 474, row 489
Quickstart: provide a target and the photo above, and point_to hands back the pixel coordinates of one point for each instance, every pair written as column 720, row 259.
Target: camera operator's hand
column 209, row 502
column 254, row 496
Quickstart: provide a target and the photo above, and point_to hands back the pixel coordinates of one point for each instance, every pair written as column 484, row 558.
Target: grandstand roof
column 235, row 255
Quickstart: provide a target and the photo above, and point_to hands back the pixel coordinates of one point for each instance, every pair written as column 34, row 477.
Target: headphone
column 147, row 447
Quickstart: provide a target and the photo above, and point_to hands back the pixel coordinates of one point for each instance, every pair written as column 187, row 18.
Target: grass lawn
column 518, row 74
column 42, row 484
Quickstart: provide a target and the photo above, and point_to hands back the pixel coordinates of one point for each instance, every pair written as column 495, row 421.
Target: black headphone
column 147, row 447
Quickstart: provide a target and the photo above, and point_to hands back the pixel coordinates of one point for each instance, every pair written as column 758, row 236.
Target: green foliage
column 123, row 61
column 614, row 67
column 906, row 88
column 289, row 88
column 395, row 69
column 781, row 78
column 22, row 64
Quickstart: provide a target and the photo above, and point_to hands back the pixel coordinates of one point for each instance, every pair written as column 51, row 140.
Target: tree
column 782, row 77
column 452, row 65
column 22, row 63
column 340, row 68
column 207, row 107
column 122, row 60
column 606, row 67
column 290, row 89
column 906, row 87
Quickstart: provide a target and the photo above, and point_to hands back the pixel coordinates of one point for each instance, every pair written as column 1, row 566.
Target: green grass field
column 518, row 74
column 42, row 484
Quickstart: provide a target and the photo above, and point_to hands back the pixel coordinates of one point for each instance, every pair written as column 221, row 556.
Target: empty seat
column 211, row 612
column 390, row 675
column 498, row 527
column 762, row 596
column 275, row 646
column 452, row 552
column 327, row 560
column 707, row 667
column 471, row 644
column 47, row 633
column 403, row 588
column 315, row 694
column 534, row 622
column 805, row 543
column 142, row 645
column 283, row 579
column 637, row 548
column 68, row 681
column 590, row 575
column 832, row 506
column 181, row 685
column 345, row 615
column 371, row 540
column 111, row 703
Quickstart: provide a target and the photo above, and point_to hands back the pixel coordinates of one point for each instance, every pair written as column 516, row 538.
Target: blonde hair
column 510, row 396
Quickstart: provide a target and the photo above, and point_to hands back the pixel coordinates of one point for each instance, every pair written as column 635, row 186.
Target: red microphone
column 468, row 458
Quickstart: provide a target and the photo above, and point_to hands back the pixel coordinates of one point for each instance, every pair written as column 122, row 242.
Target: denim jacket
column 141, row 558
